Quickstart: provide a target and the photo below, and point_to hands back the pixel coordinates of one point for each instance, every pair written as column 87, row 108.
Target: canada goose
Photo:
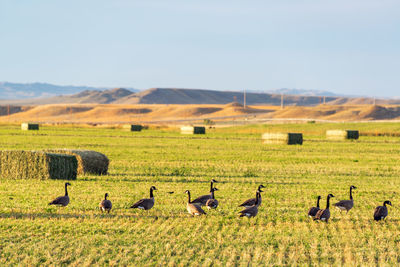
column 105, row 204
column 212, row 203
column 145, row 203
column 251, row 202
column 381, row 211
column 346, row 204
column 202, row 200
column 253, row 210
column 193, row 209
column 313, row 210
column 325, row 214
column 63, row 200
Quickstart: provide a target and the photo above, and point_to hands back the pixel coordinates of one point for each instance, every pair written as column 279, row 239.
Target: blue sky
column 344, row 46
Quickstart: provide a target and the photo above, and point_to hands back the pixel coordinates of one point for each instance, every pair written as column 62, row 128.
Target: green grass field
column 33, row 233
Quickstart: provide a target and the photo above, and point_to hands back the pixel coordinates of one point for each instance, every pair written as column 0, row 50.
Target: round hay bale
column 89, row 161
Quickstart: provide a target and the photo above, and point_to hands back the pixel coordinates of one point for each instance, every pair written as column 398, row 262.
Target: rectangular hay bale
column 29, row 126
column 283, row 138
column 193, row 130
column 133, row 127
column 19, row 164
column 342, row 134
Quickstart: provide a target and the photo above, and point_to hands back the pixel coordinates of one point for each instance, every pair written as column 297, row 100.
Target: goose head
column 259, row 188
column 387, row 202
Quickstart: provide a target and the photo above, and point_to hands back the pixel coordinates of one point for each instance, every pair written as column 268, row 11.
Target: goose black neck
column 257, row 198
column 66, row 191
column 212, row 194
column 188, row 196
column 211, row 186
column 327, row 202
column 151, row 192
column 351, row 194
column 318, row 202
column 105, row 196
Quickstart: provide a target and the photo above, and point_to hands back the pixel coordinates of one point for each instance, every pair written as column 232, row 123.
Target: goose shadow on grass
column 168, row 179
column 41, row 215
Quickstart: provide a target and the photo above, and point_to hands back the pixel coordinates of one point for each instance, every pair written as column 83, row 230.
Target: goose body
column 381, row 212
column 253, row 210
column 324, row 214
column 212, row 203
column 313, row 210
column 252, row 201
column 62, row 200
column 202, row 200
column 145, row 203
column 346, row 204
column 193, row 209
column 105, row 204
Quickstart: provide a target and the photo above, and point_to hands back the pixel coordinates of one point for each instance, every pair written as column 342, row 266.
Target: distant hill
column 188, row 114
column 93, row 97
column 197, row 96
column 192, row 96
column 305, row 92
column 41, row 90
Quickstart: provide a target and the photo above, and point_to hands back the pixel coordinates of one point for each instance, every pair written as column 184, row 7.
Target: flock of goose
column 380, row 213
column 194, row 207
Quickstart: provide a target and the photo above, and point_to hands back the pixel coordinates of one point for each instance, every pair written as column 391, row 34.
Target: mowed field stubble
column 33, row 233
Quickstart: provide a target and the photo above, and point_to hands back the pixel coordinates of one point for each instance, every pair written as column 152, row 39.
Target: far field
column 33, row 233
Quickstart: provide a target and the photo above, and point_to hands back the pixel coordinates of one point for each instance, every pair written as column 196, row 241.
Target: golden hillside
column 156, row 113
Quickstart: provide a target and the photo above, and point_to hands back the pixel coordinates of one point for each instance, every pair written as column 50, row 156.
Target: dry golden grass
column 114, row 113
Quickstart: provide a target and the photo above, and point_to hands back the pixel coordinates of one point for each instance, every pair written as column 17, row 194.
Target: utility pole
column 244, row 98
column 281, row 101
